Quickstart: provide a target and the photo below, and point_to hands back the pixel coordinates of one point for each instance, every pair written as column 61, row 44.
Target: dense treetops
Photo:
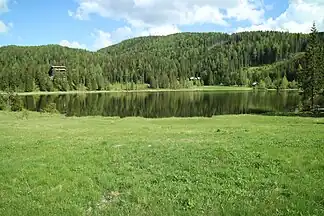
column 161, row 61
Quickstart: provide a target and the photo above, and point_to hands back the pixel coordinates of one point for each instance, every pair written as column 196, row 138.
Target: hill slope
column 162, row 61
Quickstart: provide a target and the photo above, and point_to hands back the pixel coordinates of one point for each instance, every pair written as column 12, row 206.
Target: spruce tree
column 321, row 70
column 310, row 77
column 284, row 83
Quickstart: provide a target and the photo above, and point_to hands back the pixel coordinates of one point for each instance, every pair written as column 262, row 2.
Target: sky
column 94, row 24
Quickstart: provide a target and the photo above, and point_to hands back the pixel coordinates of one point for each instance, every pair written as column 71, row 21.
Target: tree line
column 270, row 58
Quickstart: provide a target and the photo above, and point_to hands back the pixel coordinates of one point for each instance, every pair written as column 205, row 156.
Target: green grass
column 123, row 87
column 225, row 165
column 225, row 88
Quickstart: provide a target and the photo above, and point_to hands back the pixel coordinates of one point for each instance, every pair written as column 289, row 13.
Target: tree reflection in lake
column 165, row 104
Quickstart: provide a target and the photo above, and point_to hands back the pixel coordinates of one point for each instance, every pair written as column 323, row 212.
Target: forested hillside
column 161, row 61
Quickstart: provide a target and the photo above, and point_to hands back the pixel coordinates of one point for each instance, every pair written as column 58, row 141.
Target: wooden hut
column 56, row 69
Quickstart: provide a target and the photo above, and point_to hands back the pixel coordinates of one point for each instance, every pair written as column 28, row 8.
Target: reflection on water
column 165, row 104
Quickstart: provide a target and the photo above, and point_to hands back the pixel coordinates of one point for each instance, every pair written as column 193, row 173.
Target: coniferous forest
column 270, row 58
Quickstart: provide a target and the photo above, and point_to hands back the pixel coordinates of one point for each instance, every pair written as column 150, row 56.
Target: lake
column 165, row 104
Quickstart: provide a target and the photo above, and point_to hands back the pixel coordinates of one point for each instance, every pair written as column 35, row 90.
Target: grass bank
column 225, row 165
column 203, row 88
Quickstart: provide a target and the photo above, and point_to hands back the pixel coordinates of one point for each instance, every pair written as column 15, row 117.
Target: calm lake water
column 165, row 104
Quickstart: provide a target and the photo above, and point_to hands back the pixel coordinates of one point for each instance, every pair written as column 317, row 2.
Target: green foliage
column 284, row 83
column 50, row 108
column 262, row 85
column 293, row 85
column 276, row 84
column 153, row 83
column 311, row 76
column 3, row 102
column 268, row 82
column 161, row 61
column 15, row 102
column 81, row 87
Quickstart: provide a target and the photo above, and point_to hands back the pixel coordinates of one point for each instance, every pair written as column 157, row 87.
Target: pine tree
column 310, row 77
column 284, row 83
column 321, row 70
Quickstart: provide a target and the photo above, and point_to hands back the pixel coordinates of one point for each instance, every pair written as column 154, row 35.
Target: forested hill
column 161, row 61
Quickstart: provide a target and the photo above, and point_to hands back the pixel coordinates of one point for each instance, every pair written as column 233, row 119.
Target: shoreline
column 208, row 88
column 202, row 89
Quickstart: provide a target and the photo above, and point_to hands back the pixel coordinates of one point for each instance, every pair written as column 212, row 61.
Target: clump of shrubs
column 3, row 102
column 11, row 102
column 50, row 108
column 15, row 103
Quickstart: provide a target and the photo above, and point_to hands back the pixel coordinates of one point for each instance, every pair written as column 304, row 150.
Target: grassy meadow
column 224, row 165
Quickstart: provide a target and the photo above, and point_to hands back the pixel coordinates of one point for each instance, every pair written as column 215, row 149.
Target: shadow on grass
column 290, row 114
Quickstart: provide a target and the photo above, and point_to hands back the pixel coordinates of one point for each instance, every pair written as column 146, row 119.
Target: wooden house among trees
column 56, row 69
